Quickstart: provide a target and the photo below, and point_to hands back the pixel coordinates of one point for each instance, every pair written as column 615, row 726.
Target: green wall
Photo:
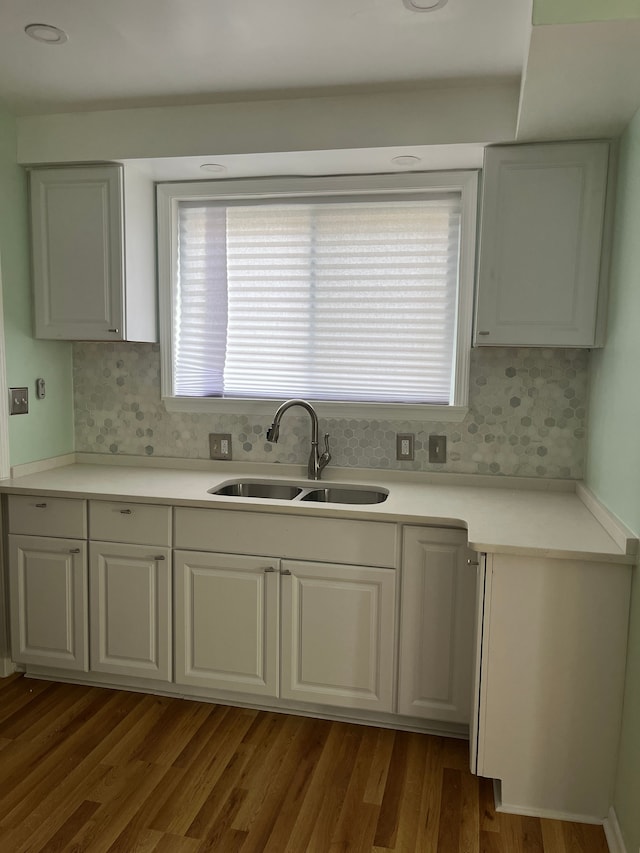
column 613, row 454
column 48, row 428
column 583, row 11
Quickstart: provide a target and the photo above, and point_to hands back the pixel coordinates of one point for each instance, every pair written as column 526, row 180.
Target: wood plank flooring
column 87, row 769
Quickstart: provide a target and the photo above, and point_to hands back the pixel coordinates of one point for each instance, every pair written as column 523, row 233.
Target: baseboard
column 223, row 697
column 549, row 814
column 610, row 824
column 613, row 834
column 7, row 667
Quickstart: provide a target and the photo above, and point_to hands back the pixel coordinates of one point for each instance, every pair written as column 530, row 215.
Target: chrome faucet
column 317, row 461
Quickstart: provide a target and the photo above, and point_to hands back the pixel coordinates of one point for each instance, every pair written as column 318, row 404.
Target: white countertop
column 538, row 518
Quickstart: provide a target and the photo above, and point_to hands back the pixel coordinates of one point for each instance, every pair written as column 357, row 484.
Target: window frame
column 169, row 195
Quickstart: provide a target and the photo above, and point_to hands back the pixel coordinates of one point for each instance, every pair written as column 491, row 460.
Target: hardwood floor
column 87, row 769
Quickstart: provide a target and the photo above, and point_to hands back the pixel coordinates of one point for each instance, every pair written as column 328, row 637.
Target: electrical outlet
column 404, row 446
column 437, row 448
column 220, row 445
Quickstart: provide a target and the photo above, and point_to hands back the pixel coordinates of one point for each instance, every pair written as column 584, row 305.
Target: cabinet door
column 227, row 622
column 130, row 594
column 77, row 243
column 436, row 625
column 540, row 246
column 48, row 595
column 338, row 635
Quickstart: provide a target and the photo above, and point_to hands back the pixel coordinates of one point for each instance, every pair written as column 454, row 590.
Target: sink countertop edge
column 537, row 522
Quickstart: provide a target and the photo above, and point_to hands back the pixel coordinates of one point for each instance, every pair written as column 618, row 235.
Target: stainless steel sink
column 251, row 489
column 342, row 495
column 283, row 491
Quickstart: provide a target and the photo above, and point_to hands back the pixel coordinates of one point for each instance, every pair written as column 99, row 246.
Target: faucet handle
column 326, row 455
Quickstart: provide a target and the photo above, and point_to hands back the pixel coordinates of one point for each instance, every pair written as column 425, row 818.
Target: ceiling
column 295, row 87
column 124, row 53
column 581, row 80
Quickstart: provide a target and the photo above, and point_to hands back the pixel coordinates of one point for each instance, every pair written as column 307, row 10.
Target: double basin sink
column 290, row 491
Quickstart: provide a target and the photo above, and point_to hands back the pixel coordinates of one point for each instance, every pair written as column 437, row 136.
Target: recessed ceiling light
column 406, row 160
column 213, row 167
column 424, row 5
column 46, row 33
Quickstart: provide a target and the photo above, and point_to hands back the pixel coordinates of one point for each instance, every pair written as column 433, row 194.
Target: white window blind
column 330, row 300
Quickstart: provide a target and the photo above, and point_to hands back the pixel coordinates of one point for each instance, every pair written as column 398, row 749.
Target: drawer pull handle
column 159, row 557
column 269, row 569
column 74, row 550
column 41, row 506
column 484, row 333
column 125, row 512
column 285, row 572
column 473, row 563
column 113, row 331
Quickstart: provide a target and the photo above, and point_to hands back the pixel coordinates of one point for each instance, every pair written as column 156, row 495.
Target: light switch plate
column 18, row 401
column 437, row 448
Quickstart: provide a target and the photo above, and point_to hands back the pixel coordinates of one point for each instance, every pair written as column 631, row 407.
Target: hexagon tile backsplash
column 527, row 414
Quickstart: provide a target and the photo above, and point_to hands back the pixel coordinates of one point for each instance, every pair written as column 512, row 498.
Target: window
column 354, row 291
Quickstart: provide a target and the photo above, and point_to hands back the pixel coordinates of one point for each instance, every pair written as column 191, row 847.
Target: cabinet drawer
column 337, row 540
column 140, row 524
column 34, row 515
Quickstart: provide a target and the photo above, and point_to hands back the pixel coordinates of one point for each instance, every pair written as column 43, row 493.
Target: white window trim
column 170, row 195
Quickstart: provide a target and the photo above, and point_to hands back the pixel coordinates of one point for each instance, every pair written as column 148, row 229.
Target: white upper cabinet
column 92, row 231
column 543, row 215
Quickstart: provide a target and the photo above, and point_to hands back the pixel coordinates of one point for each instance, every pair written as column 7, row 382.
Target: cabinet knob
column 268, row 569
column 159, row 557
column 74, row 550
column 285, row 572
column 41, row 506
column 125, row 512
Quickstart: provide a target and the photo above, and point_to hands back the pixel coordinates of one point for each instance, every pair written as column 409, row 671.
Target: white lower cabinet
column 320, row 631
column 48, row 595
column 436, row 625
column 227, row 622
column 338, row 635
column 551, row 682
column 130, row 610
column 331, row 625
column 549, row 635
